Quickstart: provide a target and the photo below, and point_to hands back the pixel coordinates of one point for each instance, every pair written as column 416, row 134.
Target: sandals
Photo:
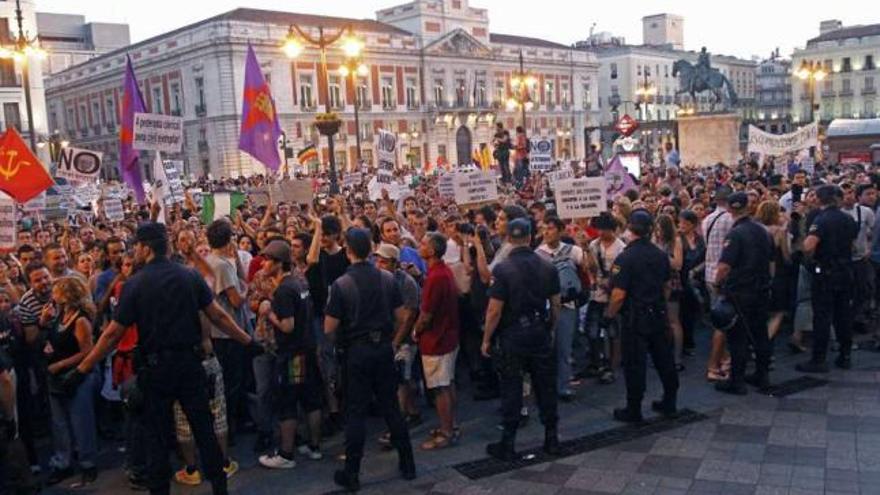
column 716, row 375
column 439, row 440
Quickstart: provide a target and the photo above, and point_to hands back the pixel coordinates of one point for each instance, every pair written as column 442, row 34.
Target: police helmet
column 723, row 314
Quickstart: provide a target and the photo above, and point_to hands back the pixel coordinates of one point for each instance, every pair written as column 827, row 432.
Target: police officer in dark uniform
column 639, row 288
column 524, row 304
column 164, row 300
column 744, row 279
column 361, row 308
column 828, row 247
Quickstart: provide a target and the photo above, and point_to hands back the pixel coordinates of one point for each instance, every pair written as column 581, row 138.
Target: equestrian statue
column 702, row 77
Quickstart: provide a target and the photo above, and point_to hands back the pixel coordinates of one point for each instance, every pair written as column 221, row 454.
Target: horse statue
column 703, row 77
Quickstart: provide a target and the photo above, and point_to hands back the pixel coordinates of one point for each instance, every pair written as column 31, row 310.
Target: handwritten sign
column 296, row 191
column 540, row 159
column 7, row 222
column 374, row 189
column 387, row 156
column 353, row 179
column 174, row 192
column 445, row 186
column 558, row 175
column 581, row 198
column 113, row 209
column 157, row 132
column 476, row 187
column 79, row 165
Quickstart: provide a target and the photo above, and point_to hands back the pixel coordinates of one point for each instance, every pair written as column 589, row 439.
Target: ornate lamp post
column 522, row 83
column 354, row 68
column 328, row 123
column 22, row 49
column 811, row 72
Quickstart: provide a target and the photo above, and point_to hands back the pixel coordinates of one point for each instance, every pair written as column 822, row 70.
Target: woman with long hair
column 73, row 412
column 782, row 282
column 667, row 239
column 694, row 250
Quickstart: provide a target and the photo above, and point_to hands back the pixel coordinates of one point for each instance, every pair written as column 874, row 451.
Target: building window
column 367, row 131
column 200, row 91
column 639, row 70
column 335, row 92
column 613, row 71
column 305, row 92
column 411, row 92
column 550, row 92
column 480, row 94
column 11, row 116
column 564, row 94
column 70, row 124
column 96, row 113
column 388, row 92
column 499, row 91
column 615, row 91
column 157, row 100
column 363, row 94
column 648, row 70
column 869, row 109
column 83, row 123
column 846, row 109
column 110, row 109
column 588, row 96
column 460, row 93
column 441, row 151
column 439, row 93
column 175, row 99
column 828, row 87
column 846, row 87
column 869, row 63
column 665, row 71
column 846, row 66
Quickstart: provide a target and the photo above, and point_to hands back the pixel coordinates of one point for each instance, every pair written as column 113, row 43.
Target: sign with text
column 113, row 210
column 780, row 144
column 174, row 192
column 7, row 221
column 581, row 198
column 36, row 204
column 79, row 165
column 374, row 189
column 157, row 132
column 476, row 187
column 353, row 179
column 540, row 157
column 296, row 191
column 386, row 154
column 558, row 175
column 445, row 186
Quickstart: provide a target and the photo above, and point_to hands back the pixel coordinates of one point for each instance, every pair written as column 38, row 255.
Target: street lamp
column 645, row 91
column 522, row 83
column 354, row 68
column 327, row 123
column 21, row 50
column 811, row 72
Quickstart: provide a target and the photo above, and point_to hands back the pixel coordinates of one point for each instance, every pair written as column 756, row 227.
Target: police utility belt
column 373, row 337
column 834, row 267
column 144, row 360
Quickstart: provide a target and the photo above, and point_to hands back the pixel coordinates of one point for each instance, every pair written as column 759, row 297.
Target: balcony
column 389, row 105
column 412, row 105
column 96, row 130
column 497, row 104
column 307, row 106
column 366, row 105
column 201, row 110
column 869, row 91
column 111, row 128
column 825, row 94
column 846, row 92
column 176, row 112
column 550, row 105
column 565, row 106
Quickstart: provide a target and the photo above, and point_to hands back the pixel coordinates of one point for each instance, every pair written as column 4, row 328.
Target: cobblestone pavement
column 824, row 440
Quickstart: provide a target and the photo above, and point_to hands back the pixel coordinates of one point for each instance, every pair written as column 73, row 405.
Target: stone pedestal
column 705, row 140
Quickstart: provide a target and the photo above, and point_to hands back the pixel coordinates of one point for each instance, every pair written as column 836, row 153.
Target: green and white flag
column 220, row 204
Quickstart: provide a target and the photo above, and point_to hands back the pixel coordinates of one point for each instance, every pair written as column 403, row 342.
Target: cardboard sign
column 174, row 191
column 7, row 222
column 558, row 175
column 446, row 186
column 540, row 159
column 79, row 165
column 113, row 210
column 85, row 194
column 581, row 198
column 196, row 194
column 374, row 189
column 353, row 179
column 297, row 192
column 157, row 132
column 476, row 187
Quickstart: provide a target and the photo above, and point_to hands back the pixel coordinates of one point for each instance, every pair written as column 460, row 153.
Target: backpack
column 570, row 284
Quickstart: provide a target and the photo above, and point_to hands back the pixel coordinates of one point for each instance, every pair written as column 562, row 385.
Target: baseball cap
column 388, row 252
column 738, row 200
column 520, row 228
column 277, row 250
column 151, row 231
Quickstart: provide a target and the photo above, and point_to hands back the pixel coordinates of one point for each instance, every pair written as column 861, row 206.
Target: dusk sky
column 742, row 28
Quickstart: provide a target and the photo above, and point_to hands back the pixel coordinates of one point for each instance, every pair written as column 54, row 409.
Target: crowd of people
column 293, row 321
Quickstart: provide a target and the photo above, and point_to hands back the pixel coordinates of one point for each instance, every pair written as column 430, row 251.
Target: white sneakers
column 276, row 461
column 313, row 454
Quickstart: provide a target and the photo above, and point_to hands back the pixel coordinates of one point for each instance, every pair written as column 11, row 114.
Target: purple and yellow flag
column 132, row 102
column 260, row 129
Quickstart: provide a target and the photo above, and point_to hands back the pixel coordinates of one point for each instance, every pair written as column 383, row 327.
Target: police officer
column 639, row 287
column 164, row 300
column 524, row 304
column 743, row 277
column 829, row 244
column 362, row 307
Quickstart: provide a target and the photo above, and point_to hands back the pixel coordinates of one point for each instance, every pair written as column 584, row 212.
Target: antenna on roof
column 592, row 28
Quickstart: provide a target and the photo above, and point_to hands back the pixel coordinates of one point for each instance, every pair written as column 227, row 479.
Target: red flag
column 22, row 176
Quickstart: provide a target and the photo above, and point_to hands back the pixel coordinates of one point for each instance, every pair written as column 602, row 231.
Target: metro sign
column 626, row 125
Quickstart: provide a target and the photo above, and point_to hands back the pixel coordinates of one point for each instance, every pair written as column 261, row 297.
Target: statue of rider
column 704, row 64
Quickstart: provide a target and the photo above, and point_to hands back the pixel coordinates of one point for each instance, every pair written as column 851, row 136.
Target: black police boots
column 551, row 441
column 665, row 407
column 843, row 361
column 407, row 464
column 812, row 366
column 503, row 450
column 349, row 482
column 632, row 413
column 731, row 387
column 759, row 379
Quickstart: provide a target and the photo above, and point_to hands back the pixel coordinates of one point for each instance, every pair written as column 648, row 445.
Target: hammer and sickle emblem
column 9, row 168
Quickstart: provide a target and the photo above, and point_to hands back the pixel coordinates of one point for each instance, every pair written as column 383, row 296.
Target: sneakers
column 277, row 461
column 184, row 477
column 230, row 468
column 313, row 453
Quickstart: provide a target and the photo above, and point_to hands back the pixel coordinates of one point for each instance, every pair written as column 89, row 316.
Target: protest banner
column 157, row 132
column 581, row 198
column 196, row 194
column 540, row 156
column 779, row 144
column 386, row 156
column 475, row 187
column 79, row 165
column 7, row 222
column 35, row 205
column 113, row 210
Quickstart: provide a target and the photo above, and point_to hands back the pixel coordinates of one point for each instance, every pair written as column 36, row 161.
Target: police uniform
column 364, row 300
column 164, row 299
column 643, row 270
column 748, row 251
column 832, row 282
column 525, row 282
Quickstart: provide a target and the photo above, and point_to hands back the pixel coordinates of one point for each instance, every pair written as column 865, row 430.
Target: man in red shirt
column 436, row 332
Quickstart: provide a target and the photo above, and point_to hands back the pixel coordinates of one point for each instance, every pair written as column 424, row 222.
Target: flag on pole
column 260, row 129
column 22, row 176
column 618, row 179
column 132, row 102
column 220, row 204
column 307, row 154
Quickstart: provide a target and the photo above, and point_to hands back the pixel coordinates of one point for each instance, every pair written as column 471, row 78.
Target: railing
column 201, row 110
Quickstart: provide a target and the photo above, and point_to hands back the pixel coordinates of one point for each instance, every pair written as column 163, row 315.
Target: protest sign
column 558, row 175
column 35, row 205
column 113, row 210
column 79, row 165
column 475, row 187
column 7, row 222
column 445, row 186
column 297, row 192
column 157, row 132
column 85, row 194
column 353, row 179
column 581, row 198
column 386, row 155
column 374, row 189
column 196, row 194
column 174, row 185
column 540, row 159
column 779, row 144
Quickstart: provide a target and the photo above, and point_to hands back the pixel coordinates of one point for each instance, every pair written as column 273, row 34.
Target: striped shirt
column 720, row 223
column 29, row 308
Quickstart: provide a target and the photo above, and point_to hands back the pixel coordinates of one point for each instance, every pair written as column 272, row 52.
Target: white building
column 12, row 96
column 437, row 76
column 849, row 57
column 773, row 82
column 70, row 40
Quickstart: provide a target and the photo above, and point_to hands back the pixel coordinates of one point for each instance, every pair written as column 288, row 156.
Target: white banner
column 475, row 187
column 157, row 132
column 114, row 211
column 581, row 198
column 540, row 159
column 298, row 192
column 374, row 189
column 779, row 144
column 79, row 165
column 7, row 222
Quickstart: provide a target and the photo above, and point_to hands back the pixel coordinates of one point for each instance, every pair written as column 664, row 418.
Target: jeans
column 565, row 329
column 264, row 377
column 73, row 425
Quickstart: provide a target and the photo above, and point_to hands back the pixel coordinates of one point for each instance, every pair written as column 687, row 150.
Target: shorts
column 403, row 360
column 216, row 401
column 298, row 384
column 439, row 370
